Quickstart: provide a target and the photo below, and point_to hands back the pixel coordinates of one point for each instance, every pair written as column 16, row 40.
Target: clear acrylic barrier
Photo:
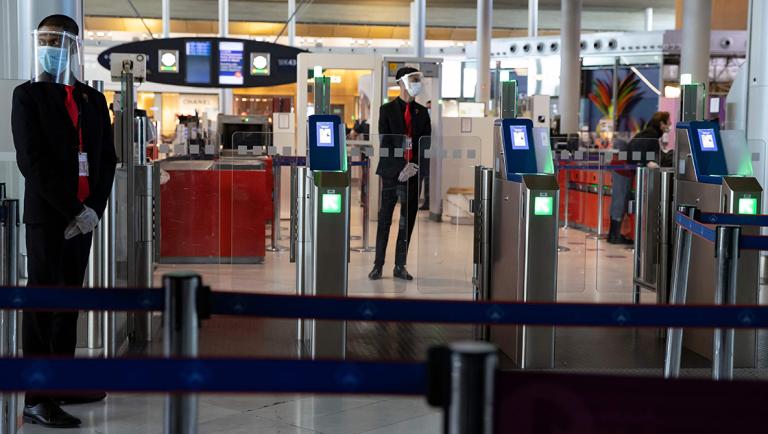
column 444, row 259
column 738, row 155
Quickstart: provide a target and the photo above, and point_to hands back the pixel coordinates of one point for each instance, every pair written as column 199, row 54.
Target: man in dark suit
column 66, row 153
column 402, row 124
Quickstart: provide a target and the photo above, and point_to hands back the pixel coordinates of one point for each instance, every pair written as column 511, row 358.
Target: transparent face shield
column 413, row 83
column 56, row 57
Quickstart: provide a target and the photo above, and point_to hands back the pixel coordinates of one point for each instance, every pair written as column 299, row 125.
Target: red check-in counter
column 214, row 211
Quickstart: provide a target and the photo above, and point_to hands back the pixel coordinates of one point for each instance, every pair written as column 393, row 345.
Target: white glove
column 652, row 165
column 71, row 231
column 87, row 220
column 408, row 172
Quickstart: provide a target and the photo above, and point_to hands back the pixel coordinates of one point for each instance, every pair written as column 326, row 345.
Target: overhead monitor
column 198, row 65
column 231, row 63
column 707, row 140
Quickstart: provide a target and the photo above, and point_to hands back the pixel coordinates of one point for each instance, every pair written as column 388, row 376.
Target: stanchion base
column 276, row 249
column 563, row 249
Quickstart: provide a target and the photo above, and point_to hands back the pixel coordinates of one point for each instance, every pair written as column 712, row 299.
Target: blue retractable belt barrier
column 593, row 167
column 120, row 299
column 463, row 312
column 377, row 309
column 699, row 227
column 213, row 375
column 695, row 227
column 733, row 219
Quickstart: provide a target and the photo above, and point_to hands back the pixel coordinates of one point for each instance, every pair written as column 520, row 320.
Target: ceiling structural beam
column 697, row 24
column 570, row 65
column 484, row 28
column 292, row 23
column 418, row 26
column 533, row 18
column 166, row 17
column 648, row 19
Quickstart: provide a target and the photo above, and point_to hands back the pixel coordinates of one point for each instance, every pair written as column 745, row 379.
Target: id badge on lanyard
column 82, row 163
column 408, row 151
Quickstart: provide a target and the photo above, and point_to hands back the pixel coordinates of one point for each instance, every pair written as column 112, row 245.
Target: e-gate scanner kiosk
column 703, row 180
column 522, row 262
column 326, row 232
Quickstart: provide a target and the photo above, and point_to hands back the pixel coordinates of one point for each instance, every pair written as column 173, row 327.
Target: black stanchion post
column 680, row 265
column 183, row 293
column 727, row 254
column 461, row 381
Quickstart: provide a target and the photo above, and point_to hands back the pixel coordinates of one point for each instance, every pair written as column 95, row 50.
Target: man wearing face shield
column 65, row 151
column 402, row 123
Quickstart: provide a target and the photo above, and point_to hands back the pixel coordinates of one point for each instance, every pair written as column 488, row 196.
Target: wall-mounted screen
column 707, row 140
column 198, row 65
column 519, row 137
column 230, row 63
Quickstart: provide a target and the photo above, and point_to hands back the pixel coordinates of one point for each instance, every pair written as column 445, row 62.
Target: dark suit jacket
column 391, row 126
column 47, row 146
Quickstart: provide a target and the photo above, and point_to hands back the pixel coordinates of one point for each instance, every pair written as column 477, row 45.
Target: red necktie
column 408, row 154
column 83, row 189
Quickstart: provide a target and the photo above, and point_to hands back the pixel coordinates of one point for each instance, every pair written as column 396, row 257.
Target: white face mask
column 414, row 89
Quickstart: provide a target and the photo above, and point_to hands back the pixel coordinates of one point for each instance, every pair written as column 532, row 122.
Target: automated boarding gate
column 516, row 257
column 321, row 229
column 703, row 180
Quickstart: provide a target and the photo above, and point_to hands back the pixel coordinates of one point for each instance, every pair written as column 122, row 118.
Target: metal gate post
column 680, row 267
column 727, row 254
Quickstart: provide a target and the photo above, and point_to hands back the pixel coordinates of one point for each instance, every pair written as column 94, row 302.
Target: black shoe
column 85, row 398
column 401, row 273
column 375, row 274
column 424, row 207
column 615, row 233
column 49, row 415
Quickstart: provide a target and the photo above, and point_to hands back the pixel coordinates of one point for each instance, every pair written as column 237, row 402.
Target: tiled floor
column 441, row 259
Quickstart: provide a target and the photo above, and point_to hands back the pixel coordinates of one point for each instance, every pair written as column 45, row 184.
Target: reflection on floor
column 441, row 259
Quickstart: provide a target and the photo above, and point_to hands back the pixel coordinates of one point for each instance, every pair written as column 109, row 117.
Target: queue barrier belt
column 700, row 227
column 397, row 310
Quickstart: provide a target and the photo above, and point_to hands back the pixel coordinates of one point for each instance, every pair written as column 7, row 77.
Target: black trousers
column 53, row 262
column 393, row 191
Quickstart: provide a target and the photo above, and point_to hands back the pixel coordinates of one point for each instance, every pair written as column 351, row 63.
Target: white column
column 166, row 15
column 291, row 23
column 225, row 95
column 484, row 28
column 570, row 65
column 533, row 18
column 418, row 26
column 697, row 23
column 648, row 19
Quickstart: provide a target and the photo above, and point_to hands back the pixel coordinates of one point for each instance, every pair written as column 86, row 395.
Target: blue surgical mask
column 52, row 59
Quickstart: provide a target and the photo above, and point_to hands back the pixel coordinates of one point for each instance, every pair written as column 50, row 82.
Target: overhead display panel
column 198, row 65
column 212, row 62
column 231, row 62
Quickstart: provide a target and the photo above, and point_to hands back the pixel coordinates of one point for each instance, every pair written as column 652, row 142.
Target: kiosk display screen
column 325, row 134
column 519, row 137
column 198, row 65
column 707, row 140
column 331, row 203
column 230, row 62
